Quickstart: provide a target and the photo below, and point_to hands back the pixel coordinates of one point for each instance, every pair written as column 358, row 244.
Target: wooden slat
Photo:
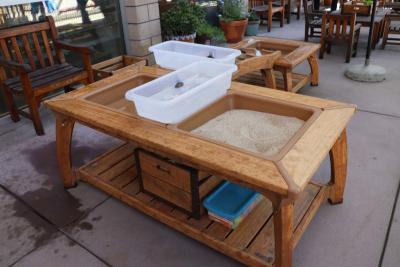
column 117, row 169
column 28, row 51
column 109, row 159
column 125, row 178
column 47, row 47
column 6, row 55
column 38, row 50
column 132, row 188
column 263, row 245
column 17, row 51
column 218, row 231
column 247, row 230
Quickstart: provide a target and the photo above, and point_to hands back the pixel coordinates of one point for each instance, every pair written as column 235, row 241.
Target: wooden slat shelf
column 252, row 242
column 255, row 78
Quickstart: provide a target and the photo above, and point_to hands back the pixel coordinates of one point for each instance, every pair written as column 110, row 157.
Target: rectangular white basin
column 177, row 95
column 175, row 55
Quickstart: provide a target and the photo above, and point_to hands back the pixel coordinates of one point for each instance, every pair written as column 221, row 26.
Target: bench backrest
column 30, row 44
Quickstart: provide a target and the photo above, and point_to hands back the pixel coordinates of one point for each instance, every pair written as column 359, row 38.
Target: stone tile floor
column 41, row 224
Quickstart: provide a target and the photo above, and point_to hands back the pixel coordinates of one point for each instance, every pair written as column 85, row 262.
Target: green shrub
column 233, row 10
column 253, row 16
column 182, row 19
column 215, row 34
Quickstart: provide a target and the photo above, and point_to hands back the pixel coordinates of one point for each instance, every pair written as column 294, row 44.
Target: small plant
column 253, row 16
column 368, row 2
column 182, row 19
column 214, row 34
column 233, row 10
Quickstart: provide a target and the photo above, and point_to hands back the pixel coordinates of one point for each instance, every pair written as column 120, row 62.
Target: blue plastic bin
column 230, row 200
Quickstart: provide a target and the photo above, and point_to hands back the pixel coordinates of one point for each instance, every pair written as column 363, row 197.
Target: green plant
column 182, row 19
column 253, row 16
column 233, row 10
column 368, row 2
column 210, row 32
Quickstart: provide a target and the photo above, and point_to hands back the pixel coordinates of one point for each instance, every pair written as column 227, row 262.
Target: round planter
column 252, row 28
column 183, row 38
column 234, row 30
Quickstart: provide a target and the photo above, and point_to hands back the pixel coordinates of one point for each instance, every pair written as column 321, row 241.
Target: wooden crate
column 175, row 183
column 252, row 243
column 109, row 67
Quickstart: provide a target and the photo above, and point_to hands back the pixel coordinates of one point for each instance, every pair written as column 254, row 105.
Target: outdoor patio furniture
column 293, row 53
column 266, row 9
column 337, row 28
column 25, row 70
column 312, row 19
column 264, row 64
column 291, row 199
column 391, row 33
column 111, row 66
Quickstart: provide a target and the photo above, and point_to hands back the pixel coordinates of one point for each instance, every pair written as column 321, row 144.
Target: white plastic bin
column 175, row 55
column 177, row 95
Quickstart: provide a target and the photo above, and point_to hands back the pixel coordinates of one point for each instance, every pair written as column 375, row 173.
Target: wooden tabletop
column 286, row 176
column 293, row 52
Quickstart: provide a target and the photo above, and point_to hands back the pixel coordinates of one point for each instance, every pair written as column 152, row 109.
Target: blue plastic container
column 230, row 200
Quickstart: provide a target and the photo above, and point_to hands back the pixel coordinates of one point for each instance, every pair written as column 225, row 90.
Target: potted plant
column 253, row 24
column 208, row 34
column 233, row 20
column 181, row 21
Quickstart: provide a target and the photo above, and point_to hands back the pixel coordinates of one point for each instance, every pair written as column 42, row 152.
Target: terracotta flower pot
column 234, row 30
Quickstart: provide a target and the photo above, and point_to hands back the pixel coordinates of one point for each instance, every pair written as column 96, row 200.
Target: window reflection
column 94, row 23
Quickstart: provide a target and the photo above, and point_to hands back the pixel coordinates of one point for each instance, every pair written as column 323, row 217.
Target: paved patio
column 44, row 225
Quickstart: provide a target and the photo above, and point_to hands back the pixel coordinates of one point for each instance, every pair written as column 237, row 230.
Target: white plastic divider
column 179, row 94
column 175, row 54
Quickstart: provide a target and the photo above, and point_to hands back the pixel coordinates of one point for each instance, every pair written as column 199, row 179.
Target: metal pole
column 371, row 28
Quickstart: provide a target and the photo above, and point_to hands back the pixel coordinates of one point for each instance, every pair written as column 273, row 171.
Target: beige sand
column 251, row 130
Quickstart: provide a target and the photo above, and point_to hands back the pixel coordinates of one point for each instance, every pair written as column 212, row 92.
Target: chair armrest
column 20, row 68
column 76, row 48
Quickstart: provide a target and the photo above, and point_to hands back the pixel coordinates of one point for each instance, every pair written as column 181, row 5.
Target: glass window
column 94, row 23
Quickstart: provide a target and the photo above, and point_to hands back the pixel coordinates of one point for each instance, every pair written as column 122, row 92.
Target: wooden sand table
column 272, row 230
column 293, row 54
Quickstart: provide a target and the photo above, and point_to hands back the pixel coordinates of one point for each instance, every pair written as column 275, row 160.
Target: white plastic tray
column 175, row 55
column 201, row 83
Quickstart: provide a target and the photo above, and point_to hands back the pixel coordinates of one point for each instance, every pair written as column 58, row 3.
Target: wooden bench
column 33, row 65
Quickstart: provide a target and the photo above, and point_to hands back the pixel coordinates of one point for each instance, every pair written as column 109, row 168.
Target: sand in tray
column 254, row 131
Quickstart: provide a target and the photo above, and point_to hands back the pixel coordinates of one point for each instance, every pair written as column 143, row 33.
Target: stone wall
column 141, row 23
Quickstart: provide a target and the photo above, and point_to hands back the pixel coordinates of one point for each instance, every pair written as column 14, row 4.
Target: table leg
column 64, row 129
column 338, row 157
column 287, row 79
column 314, row 73
column 283, row 231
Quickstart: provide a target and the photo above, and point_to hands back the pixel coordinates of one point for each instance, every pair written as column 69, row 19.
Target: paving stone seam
column 378, row 113
column 30, row 208
column 396, row 199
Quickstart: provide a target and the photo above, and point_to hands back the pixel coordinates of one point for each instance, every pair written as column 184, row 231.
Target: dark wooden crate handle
column 164, row 169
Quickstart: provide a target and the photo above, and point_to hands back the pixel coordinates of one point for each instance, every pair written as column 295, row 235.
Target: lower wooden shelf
column 255, row 78
column 251, row 243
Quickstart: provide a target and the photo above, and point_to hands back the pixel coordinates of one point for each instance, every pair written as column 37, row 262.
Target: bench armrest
column 76, row 48
column 20, row 68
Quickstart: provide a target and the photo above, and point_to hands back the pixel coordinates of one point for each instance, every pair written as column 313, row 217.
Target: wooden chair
column 266, row 10
column 313, row 20
column 392, row 29
column 339, row 28
column 33, row 65
column 263, row 63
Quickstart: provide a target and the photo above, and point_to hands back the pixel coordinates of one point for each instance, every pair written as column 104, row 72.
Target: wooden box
column 177, row 184
column 357, row 7
column 109, row 67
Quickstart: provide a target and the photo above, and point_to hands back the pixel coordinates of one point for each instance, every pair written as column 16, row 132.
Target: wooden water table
column 272, row 230
column 293, row 52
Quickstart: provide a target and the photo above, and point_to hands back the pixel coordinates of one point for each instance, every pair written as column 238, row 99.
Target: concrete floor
column 44, row 225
